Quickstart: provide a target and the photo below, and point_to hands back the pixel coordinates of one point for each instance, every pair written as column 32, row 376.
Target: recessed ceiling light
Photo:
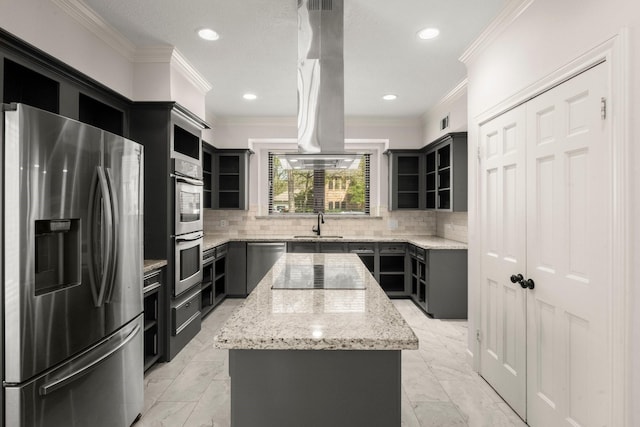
column 208, row 34
column 390, row 97
column 428, row 33
column 249, row 96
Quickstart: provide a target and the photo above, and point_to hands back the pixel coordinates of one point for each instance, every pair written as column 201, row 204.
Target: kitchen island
column 317, row 343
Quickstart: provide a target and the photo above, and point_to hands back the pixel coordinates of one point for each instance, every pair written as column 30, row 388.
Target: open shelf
column 24, row 85
column 100, row 115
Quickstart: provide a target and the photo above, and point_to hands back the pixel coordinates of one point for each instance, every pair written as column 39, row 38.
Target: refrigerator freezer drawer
column 101, row 388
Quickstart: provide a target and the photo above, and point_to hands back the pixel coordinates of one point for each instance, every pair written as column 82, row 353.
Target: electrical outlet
column 224, row 223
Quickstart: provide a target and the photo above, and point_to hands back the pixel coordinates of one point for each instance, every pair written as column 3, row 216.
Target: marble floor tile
column 439, row 388
column 438, row 414
column 153, row 388
column 166, row 414
column 193, row 381
column 213, row 408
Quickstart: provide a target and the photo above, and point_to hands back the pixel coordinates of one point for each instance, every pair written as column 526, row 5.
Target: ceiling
column 257, row 49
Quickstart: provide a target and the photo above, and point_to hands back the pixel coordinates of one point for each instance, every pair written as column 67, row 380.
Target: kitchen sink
column 312, row 236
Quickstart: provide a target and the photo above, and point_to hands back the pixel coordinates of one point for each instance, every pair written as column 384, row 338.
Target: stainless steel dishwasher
column 260, row 258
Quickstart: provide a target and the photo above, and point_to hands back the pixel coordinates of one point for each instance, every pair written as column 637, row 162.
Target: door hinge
column 603, row 108
column 478, row 336
column 479, row 153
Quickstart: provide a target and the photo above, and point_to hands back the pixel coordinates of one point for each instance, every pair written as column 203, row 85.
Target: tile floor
column 439, row 388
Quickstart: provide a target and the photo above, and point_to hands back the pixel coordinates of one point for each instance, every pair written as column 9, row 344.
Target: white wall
column 548, row 35
column 74, row 34
column 236, row 133
column 455, row 106
column 47, row 27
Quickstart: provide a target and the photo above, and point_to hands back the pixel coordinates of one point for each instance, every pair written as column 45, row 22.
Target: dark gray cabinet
column 261, row 256
column 445, row 175
column 213, row 289
column 387, row 261
column 434, row 177
column 207, row 175
column 237, row 269
column 392, row 266
column 230, row 174
column 29, row 76
column 406, row 169
column 438, row 281
column 154, row 317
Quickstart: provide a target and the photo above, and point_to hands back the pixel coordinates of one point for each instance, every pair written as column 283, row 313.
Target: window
column 332, row 191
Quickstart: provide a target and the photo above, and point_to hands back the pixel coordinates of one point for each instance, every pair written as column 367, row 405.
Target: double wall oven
column 188, row 233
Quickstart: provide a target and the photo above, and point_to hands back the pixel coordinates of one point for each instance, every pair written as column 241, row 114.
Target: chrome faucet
column 320, row 220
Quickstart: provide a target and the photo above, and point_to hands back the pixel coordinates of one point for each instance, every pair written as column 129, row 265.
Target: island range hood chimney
column 320, row 88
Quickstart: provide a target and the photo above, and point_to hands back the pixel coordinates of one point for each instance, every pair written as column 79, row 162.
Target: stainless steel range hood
column 321, row 87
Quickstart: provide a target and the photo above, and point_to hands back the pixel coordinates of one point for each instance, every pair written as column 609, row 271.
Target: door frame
column 614, row 52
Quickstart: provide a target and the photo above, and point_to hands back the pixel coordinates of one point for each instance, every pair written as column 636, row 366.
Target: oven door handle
column 190, row 239
column 191, row 181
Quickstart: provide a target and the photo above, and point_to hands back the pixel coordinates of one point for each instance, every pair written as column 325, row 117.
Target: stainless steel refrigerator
column 71, row 311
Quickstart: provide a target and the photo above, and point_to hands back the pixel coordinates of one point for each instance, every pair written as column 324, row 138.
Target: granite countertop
column 153, row 264
column 316, row 319
column 426, row 242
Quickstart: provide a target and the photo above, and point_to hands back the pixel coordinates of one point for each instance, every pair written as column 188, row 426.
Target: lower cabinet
column 153, row 319
column 392, row 266
column 387, row 261
column 213, row 288
column 236, row 277
column 185, row 320
column 367, row 253
column 439, row 281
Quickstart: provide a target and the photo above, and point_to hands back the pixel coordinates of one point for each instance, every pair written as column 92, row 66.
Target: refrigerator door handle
column 100, row 190
column 86, row 368
column 115, row 226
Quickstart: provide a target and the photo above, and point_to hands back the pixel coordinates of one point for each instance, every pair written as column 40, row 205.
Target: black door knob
column 528, row 284
column 517, row 278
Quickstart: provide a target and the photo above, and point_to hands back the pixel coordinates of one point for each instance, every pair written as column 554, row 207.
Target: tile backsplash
column 246, row 223
column 452, row 225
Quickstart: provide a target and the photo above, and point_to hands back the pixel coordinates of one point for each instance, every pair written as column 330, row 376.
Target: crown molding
column 93, row 22
column 154, row 54
column 512, row 10
column 459, row 90
column 89, row 19
column 455, row 93
column 190, row 72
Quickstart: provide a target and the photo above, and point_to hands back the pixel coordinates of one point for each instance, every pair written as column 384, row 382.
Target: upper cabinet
column 226, row 178
column 406, row 168
column 432, row 178
column 32, row 77
column 446, row 173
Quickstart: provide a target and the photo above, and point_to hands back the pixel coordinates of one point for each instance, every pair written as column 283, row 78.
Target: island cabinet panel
column 322, row 388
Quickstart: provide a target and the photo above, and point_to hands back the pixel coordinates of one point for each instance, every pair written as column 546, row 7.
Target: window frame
column 326, row 184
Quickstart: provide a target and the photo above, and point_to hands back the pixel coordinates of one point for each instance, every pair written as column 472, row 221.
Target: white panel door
column 503, row 314
column 568, row 246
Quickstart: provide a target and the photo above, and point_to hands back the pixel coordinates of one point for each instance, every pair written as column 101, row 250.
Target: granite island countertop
column 316, row 318
column 424, row 241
